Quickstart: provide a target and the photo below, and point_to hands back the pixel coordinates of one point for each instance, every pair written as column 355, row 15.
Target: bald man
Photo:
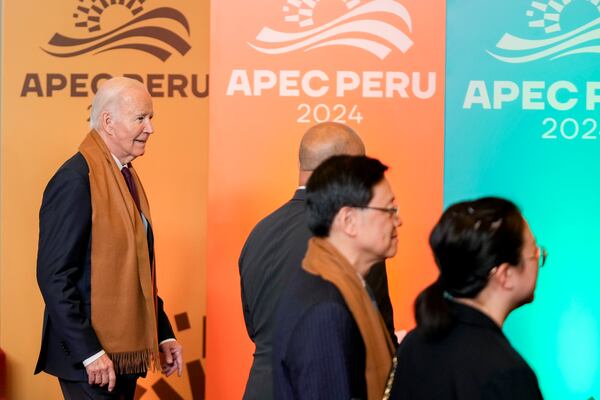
column 104, row 325
column 275, row 249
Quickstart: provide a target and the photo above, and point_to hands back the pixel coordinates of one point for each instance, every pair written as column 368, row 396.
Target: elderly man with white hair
column 104, row 325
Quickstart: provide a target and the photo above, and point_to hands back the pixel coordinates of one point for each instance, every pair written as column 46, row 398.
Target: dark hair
column 338, row 182
column 470, row 239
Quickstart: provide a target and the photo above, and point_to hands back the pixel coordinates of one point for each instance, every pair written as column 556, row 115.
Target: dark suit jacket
column 63, row 274
column 318, row 352
column 273, row 251
column 474, row 361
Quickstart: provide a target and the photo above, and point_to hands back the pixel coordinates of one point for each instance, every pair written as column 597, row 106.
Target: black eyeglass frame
column 543, row 256
column 393, row 211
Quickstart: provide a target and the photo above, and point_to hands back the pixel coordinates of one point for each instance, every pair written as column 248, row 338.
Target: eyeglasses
column 542, row 256
column 393, row 211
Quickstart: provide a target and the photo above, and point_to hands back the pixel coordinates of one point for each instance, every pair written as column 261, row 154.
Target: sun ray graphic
column 87, row 14
column 546, row 15
column 301, row 11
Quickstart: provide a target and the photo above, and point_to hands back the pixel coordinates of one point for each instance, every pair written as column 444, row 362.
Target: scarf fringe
column 133, row 362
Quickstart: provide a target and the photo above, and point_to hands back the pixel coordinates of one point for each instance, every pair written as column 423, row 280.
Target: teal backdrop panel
column 523, row 122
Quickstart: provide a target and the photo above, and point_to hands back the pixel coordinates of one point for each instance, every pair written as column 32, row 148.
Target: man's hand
column 171, row 358
column 102, row 372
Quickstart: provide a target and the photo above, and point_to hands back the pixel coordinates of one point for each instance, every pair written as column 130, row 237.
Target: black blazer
column 474, row 361
column 63, row 274
column 272, row 253
column 318, row 352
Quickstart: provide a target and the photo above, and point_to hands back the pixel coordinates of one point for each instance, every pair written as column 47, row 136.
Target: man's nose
column 149, row 127
column 398, row 220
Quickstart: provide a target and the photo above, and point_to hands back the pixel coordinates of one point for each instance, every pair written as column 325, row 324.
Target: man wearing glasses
column 276, row 246
column 330, row 341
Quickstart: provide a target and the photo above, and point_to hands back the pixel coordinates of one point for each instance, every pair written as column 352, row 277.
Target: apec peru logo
column 568, row 27
column 109, row 25
column 360, row 25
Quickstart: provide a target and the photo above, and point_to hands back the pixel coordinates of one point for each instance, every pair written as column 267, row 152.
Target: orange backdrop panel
column 41, row 128
column 254, row 137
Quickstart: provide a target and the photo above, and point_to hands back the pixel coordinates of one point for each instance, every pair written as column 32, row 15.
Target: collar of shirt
column 368, row 290
column 121, row 166
column 472, row 316
column 361, row 279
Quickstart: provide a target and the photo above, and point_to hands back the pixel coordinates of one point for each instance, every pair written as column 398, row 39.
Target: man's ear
column 346, row 220
column 107, row 122
column 504, row 276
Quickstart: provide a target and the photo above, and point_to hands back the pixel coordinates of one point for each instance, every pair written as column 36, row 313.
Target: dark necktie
column 132, row 189
column 131, row 185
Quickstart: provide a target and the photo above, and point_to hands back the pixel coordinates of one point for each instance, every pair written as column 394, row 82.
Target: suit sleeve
column 245, row 306
column 65, row 229
column 319, row 356
column 165, row 331
column 378, row 282
column 163, row 326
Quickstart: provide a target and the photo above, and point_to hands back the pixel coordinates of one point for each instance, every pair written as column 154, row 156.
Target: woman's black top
column 473, row 361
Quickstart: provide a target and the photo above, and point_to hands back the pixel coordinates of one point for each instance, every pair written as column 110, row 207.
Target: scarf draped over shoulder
column 324, row 260
column 123, row 290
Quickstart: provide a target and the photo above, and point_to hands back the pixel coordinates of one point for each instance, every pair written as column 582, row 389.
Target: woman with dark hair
column 488, row 262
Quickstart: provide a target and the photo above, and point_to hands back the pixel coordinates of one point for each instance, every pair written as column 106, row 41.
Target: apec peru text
column 85, row 85
column 531, row 95
column 317, row 83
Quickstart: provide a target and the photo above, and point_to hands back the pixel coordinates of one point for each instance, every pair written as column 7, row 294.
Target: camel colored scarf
column 324, row 260
column 122, row 279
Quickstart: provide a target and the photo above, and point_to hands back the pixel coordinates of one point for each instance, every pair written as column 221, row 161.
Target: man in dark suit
column 276, row 246
column 329, row 340
column 103, row 323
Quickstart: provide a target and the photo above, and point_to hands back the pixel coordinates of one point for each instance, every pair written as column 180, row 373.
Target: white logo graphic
column 356, row 28
column 572, row 26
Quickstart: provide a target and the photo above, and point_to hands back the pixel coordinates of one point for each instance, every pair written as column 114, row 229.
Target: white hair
column 107, row 96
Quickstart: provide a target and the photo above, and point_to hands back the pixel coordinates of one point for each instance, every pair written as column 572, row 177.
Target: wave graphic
column 125, row 36
column 582, row 40
column 342, row 32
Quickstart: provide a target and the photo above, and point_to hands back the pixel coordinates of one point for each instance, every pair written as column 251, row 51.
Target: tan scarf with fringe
column 324, row 260
column 122, row 280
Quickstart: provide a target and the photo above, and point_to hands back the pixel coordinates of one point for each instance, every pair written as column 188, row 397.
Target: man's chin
column 392, row 252
column 387, row 255
column 139, row 152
